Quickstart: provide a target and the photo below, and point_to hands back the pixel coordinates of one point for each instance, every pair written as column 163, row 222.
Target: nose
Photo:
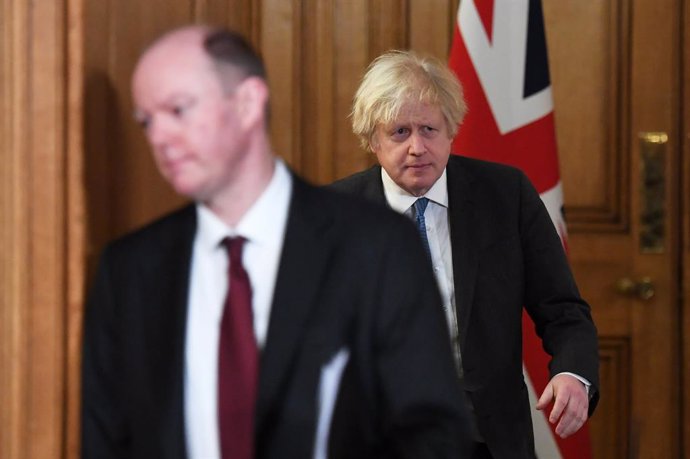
column 417, row 146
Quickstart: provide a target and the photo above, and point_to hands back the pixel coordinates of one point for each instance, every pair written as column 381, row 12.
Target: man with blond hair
column 493, row 250
column 261, row 320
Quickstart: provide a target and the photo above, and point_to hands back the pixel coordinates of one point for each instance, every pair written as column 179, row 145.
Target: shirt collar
column 257, row 225
column 400, row 200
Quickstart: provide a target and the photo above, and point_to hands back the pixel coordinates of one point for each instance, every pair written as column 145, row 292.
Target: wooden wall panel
column 241, row 15
column 75, row 228
column 387, row 30
column 589, row 50
column 124, row 188
column 315, row 51
column 87, row 173
column 281, row 49
column 685, row 239
column 655, row 96
column 431, row 26
column 620, row 83
column 318, row 88
column 41, row 266
column 350, row 58
column 614, row 406
column 13, row 223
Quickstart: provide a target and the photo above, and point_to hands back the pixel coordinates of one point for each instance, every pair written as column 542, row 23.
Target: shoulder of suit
column 346, row 207
column 482, row 170
column 180, row 222
column 357, row 180
column 474, row 164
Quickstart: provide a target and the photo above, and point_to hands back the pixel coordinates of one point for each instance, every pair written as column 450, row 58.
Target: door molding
column 41, row 237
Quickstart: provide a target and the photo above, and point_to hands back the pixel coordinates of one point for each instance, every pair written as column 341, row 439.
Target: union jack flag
column 499, row 54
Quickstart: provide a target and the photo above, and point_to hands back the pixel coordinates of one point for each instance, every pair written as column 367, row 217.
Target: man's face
column 414, row 149
column 194, row 128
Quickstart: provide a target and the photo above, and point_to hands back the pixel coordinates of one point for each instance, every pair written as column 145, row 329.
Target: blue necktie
column 419, row 207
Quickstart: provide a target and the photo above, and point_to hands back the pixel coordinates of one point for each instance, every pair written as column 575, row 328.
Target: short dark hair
column 230, row 48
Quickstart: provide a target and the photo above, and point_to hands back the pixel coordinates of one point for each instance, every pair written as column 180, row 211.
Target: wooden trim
column 317, row 89
column 614, row 216
column 75, row 228
column 13, row 240
column 685, row 232
column 41, row 236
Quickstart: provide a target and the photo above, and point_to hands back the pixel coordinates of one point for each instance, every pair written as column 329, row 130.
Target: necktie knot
column 420, row 206
column 234, row 246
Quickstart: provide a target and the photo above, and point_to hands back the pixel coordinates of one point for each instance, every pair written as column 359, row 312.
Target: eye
column 429, row 131
column 400, row 133
column 144, row 121
column 178, row 110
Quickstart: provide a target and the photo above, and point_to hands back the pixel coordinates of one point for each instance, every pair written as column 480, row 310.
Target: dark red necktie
column 237, row 362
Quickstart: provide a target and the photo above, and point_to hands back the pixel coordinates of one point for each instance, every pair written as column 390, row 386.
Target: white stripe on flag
column 500, row 63
column 553, row 200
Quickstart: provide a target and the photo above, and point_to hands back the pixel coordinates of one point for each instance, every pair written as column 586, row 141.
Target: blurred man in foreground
column 261, row 320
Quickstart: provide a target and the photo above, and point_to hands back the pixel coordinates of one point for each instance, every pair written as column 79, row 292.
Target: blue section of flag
column 536, row 64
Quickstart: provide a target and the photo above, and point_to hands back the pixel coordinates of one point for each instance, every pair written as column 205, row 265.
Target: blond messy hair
column 398, row 77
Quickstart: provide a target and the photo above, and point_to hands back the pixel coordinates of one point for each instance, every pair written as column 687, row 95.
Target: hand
column 570, row 406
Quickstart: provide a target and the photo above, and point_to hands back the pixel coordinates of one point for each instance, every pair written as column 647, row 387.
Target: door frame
column 684, row 142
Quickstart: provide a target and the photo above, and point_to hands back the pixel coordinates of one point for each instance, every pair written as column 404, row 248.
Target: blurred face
column 414, row 149
column 194, row 128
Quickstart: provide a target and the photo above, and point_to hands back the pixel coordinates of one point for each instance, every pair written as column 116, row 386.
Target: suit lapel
column 373, row 186
column 303, row 262
column 166, row 313
column 461, row 214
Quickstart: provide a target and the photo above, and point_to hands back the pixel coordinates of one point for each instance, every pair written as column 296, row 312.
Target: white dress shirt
column 263, row 227
column 438, row 233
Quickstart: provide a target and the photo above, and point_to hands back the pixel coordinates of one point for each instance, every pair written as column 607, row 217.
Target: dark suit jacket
column 341, row 284
column 506, row 255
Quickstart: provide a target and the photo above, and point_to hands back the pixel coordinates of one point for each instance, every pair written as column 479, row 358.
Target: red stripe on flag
column 531, row 148
column 486, row 12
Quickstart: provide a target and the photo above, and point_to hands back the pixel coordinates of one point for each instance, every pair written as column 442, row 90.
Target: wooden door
column 615, row 73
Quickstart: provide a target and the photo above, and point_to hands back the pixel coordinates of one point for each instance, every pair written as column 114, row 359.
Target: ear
column 374, row 144
column 251, row 96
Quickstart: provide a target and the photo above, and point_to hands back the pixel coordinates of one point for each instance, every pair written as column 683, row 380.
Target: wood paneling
column 75, row 227
column 351, row 56
column 318, row 86
column 315, row 52
column 13, row 240
column 685, row 238
column 41, row 267
column 75, row 171
column 589, row 46
column 430, row 26
column 614, row 407
column 615, row 74
column 241, row 15
column 281, row 49
column 387, row 21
